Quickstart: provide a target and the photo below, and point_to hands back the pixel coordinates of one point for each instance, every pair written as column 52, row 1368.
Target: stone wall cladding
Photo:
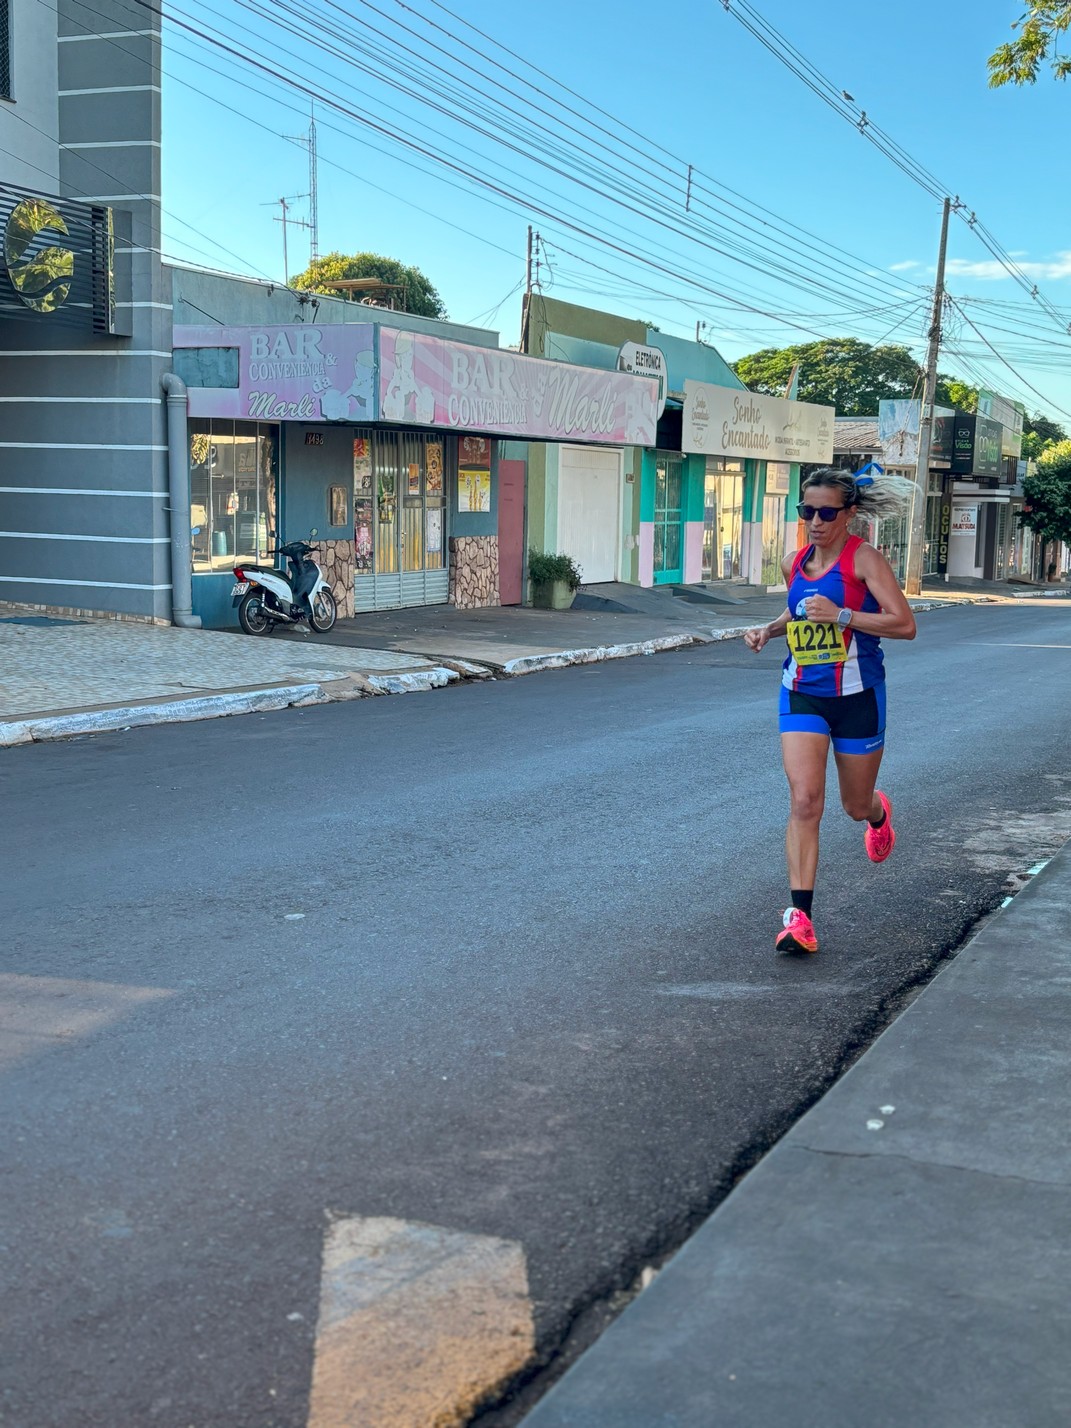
column 474, row 572
column 337, row 557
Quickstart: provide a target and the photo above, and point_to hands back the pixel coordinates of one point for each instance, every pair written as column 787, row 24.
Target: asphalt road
column 532, row 994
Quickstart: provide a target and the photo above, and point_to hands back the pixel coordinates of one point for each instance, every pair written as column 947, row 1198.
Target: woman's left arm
column 893, row 622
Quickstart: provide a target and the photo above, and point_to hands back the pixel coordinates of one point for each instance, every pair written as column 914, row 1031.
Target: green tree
column 836, row 372
column 419, row 296
column 1047, row 508
column 951, row 392
column 1039, row 433
column 1039, row 29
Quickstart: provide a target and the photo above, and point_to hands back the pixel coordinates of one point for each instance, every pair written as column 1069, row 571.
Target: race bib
column 814, row 643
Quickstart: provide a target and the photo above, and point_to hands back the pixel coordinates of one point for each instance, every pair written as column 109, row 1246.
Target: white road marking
column 1015, row 645
column 417, row 1326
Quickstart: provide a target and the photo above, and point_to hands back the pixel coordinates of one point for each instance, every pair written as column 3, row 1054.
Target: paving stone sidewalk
column 52, row 665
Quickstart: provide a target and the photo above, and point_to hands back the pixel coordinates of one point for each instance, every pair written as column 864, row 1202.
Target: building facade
column 399, row 444
column 85, row 320
column 672, row 511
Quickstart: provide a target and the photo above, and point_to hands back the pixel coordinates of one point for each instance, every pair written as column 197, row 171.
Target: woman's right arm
column 761, row 635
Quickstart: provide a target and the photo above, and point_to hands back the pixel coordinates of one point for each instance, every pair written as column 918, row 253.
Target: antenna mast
column 308, row 141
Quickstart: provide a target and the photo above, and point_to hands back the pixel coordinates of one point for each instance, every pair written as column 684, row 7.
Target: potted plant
column 555, row 580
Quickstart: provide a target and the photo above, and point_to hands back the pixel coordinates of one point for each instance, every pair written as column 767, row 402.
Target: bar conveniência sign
column 723, row 421
column 432, row 382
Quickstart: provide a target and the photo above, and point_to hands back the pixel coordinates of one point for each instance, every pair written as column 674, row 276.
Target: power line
column 842, row 103
column 1001, row 358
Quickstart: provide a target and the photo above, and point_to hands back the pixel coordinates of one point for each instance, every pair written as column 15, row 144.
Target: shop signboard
column 899, row 420
column 963, row 444
column 943, row 439
column 305, row 372
column 428, row 381
column 898, row 431
column 57, row 262
column 944, row 528
column 977, row 445
column 646, row 361
column 724, row 421
column 964, row 520
column 1009, row 415
column 988, row 441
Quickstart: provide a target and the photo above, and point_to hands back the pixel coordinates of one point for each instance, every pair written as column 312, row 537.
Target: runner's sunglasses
column 824, row 513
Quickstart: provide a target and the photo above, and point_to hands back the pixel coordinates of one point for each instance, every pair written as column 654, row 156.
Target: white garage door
column 589, row 509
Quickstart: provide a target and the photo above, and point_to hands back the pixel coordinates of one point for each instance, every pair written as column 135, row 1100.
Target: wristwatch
column 844, row 618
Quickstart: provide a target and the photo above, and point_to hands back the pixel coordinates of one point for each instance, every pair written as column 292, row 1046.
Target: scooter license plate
column 240, row 587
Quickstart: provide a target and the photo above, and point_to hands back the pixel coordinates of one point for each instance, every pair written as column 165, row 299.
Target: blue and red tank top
column 865, row 665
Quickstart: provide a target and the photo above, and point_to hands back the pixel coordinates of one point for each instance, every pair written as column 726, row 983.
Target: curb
column 361, row 685
column 530, row 664
column 219, row 706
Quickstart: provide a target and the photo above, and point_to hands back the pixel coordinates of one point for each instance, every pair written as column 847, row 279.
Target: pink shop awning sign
column 303, row 372
column 428, row 381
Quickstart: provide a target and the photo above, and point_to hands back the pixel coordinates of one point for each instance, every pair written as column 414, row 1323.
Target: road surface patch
column 45, row 1013
column 417, row 1325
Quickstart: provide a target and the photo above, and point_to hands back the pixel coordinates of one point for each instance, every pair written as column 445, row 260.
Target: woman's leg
column 805, row 757
column 858, row 776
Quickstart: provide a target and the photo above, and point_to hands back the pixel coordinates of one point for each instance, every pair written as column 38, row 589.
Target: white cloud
column 989, row 270
column 904, row 267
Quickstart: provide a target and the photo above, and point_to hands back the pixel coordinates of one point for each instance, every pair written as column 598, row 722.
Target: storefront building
column 665, row 514
column 753, row 447
column 396, row 446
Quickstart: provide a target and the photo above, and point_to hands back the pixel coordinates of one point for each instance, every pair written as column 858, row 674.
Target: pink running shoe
column 799, row 935
column 879, row 841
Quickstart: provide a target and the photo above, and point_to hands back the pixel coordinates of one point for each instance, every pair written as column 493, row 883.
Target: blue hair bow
column 862, row 479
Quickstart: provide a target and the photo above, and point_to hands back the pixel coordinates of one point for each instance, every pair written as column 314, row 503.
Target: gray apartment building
column 85, row 316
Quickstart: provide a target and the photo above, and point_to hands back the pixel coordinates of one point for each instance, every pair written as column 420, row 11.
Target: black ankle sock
column 881, row 821
column 803, row 898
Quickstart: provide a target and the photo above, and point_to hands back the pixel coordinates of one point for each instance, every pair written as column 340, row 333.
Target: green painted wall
column 695, row 472
column 546, row 314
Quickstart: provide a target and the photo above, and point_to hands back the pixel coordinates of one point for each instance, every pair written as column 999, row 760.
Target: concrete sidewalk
column 902, row 1257
column 60, row 677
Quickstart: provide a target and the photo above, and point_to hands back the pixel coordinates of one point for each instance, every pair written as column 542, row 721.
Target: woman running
column 843, row 598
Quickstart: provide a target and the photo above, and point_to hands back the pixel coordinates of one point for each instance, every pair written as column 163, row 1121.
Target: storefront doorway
column 668, row 518
column 723, row 518
column 589, row 509
column 399, row 510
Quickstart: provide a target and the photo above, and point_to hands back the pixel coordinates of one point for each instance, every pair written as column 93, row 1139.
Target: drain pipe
column 178, row 476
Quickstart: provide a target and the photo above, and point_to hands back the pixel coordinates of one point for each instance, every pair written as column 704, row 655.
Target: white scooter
column 266, row 596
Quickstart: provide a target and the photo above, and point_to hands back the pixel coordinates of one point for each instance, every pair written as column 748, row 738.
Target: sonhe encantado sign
column 724, row 421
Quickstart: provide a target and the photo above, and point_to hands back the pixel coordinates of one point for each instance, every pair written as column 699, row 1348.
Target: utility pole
column 526, row 310
column 913, row 581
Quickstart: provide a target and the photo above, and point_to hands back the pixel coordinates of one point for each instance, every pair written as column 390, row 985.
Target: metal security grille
column 5, row 49
column 408, row 510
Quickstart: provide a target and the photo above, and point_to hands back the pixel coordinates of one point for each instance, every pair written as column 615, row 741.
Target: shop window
column 723, row 513
column 399, row 502
column 233, row 492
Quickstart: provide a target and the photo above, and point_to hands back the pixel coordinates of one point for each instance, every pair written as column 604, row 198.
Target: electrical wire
column 844, row 104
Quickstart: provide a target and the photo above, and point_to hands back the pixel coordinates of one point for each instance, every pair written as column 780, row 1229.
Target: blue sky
column 796, row 226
